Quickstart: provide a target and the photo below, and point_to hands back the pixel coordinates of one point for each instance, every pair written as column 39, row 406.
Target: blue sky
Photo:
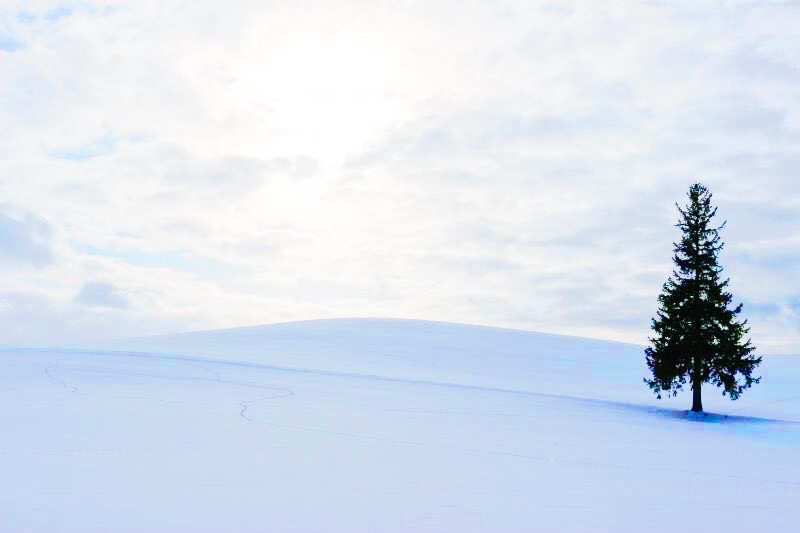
column 188, row 165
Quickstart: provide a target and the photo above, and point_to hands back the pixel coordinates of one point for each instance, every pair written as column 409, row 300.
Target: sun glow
column 326, row 96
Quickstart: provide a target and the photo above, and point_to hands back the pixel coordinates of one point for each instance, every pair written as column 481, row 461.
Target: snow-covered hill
column 384, row 425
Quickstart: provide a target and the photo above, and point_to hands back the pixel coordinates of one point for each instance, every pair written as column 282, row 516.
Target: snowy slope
column 384, row 425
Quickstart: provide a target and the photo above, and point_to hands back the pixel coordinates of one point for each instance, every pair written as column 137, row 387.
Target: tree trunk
column 697, row 403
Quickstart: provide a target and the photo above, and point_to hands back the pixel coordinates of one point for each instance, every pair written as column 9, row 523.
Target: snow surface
column 384, row 425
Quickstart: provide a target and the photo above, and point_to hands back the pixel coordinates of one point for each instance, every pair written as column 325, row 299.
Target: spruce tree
column 698, row 337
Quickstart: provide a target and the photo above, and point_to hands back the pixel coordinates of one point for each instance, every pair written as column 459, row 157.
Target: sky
column 184, row 165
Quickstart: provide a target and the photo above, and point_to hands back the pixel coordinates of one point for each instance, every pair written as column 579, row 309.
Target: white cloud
column 509, row 163
column 101, row 294
column 24, row 237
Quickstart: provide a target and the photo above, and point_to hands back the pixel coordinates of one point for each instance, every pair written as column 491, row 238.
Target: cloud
column 94, row 148
column 101, row 294
column 25, row 237
column 511, row 163
column 8, row 43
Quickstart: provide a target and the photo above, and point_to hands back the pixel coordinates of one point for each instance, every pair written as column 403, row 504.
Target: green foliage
column 698, row 337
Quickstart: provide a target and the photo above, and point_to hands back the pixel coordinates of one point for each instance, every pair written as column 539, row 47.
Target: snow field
column 384, row 425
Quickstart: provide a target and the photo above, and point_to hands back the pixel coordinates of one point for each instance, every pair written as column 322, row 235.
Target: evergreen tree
column 698, row 337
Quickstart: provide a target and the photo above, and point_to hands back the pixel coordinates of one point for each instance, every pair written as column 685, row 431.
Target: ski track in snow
column 281, row 392
column 594, row 402
column 48, row 370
